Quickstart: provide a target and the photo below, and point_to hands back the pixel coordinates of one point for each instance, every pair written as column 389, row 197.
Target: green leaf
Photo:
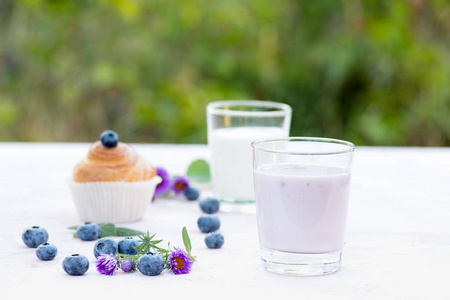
column 186, row 240
column 73, row 227
column 121, row 231
column 198, row 171
column 108, row 229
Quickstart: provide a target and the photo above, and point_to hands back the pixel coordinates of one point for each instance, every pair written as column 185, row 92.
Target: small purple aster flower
column 106, row 264
column 180, row 183
column 164, row 185
column 127, row 265
column 180, row 262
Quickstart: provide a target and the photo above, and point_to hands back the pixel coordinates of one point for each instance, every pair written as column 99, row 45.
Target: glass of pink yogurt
column 302, row 188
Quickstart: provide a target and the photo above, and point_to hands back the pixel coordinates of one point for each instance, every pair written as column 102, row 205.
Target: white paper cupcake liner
column 113, row 202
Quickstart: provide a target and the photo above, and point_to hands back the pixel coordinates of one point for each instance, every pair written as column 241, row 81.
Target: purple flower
column 164, row 185
column 180, row 262
column 106, row 264
column 127, row 265
column 180, row 183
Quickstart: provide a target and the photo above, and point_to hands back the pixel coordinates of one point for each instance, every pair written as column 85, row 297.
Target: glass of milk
column 232, row 126
column 302, row 188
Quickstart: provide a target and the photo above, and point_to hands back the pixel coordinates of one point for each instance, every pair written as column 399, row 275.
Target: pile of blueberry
column 77, row 264
column 209, row 223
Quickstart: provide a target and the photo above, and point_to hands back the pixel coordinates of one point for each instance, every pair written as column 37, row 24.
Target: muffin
column 113, row 183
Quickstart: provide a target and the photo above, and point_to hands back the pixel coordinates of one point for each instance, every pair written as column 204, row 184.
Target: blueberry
column 76, row 264
column 209, row 205
column 46, row 251
column 105, row 245
column 126, row 246
column 34, row 236
column 109, row 138
column 89, row 231
column 214, row 240
column 208, row 223
column 191, row 193
column 150, row 264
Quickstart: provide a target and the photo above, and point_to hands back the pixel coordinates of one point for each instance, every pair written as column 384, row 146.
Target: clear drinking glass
column 232, row 127
column 302, row 188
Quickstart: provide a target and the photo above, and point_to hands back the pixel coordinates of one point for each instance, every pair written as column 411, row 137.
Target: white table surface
column 397, row 241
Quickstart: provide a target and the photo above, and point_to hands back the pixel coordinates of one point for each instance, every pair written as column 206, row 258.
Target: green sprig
column 147, row 243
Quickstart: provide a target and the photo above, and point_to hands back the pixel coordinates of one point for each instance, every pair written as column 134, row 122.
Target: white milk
column 231, row 159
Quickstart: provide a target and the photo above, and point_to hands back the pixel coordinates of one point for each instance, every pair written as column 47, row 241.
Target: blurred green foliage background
column 372, row 72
